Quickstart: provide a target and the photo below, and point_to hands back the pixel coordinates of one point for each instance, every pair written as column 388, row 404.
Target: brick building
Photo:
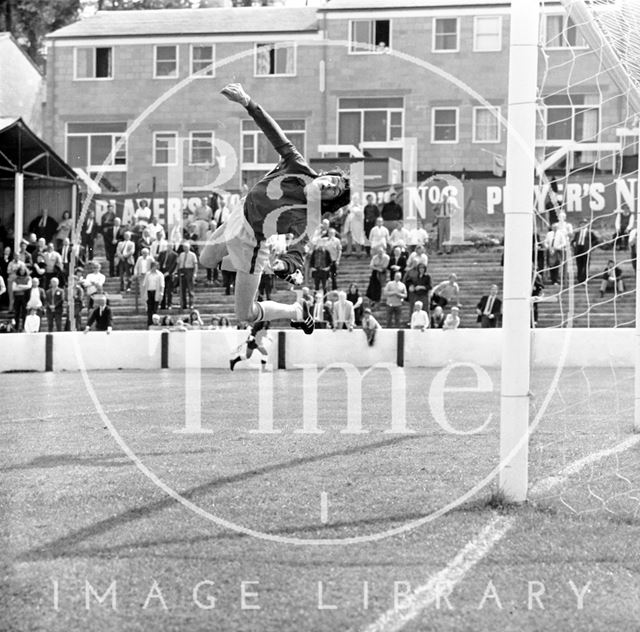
column 122, row 94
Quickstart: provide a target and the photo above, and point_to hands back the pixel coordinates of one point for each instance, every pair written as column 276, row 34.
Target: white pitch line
column 423, row 596
column 476, row 549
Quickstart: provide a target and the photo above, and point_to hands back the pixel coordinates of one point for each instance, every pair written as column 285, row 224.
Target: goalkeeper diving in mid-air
column 290, row 199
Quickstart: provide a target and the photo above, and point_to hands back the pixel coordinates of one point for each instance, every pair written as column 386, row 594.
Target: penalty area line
column 475, row 550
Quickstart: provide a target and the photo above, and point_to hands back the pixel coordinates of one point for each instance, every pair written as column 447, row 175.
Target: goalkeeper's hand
column 236, row 93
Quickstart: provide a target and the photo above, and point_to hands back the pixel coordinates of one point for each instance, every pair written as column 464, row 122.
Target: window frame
column 213, row 61
column 255, row 134
column 374, row 49
column 438, row 108
column 434, row 20
column 157, row 133
column 474, row 126
column 476, row 19
column 155, row 61
column 213, row 153
column 576, row 109
column 565, row 20
column 94, row 48
column 363, row 144
column 291, row 45
column 89, row 135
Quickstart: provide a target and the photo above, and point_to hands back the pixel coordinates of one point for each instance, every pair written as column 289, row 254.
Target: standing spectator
column 124, row 260
column 370, row 326
column 395, row 293
column 342, row 313
column 21, row 289
column 452, row 321
column 12, row 270
column 36, row 297
column 537, row 288
column 397, row 261
column 78, row 303
column 442, row 222
column 419, row 318
column 106, row 223
column 391, row 210
column 489, row 309
column 378, row 265
column 416, row 257
column 31, row 243
column 156, row 230
column 142, row 266
column 65, row 258
column 446, row 292
column 3, row 289
column 44, row 226
column 633, row 247
column 88, row 234
column 379, row 236
column 611, row 277
column 142, row 216
column 399, row 237
column 54, row 306
column 32, row 322
column 24, row 254
column 112, row 235
column 94, row 281
column 418, row 237
column 221, row 214
column 153, row 289
column 437, row 318
column 145, row 241
column 418, row 284
column 583, row 243
column 187, row 273
column 371, row 213
column 624, row 223
column 353, row 296
column 5, row 262
column 354, row 230
column 38, row 265
column 334, row 247
column 168, row 265
column 64, row 229
column 556, row 244
column 101, row 316
column 212, row 273
column 53, row 266
column 320, row 265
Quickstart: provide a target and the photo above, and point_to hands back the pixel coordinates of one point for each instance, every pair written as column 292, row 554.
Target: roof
column 23, row 150
column 373, row 5
column 192, row 22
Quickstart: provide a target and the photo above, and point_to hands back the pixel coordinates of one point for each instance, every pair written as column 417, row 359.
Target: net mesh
column 586, row 220
column 587, row 152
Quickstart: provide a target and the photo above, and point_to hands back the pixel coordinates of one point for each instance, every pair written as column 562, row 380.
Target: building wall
column 410, row 70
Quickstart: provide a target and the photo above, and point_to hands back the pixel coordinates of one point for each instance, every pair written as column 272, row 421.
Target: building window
column 444, row 125
column 94, row 63
column 572, row 117
column 166, row 62
column 369, row 36
column 275, row 59
column 487, row 33
column 445, row 35
column 370, row 120
column 562, row 32
column 93, row 146
column 202, row 59
column 257, row 152
column 486, row 125
column 201, row 148
column 164, row 148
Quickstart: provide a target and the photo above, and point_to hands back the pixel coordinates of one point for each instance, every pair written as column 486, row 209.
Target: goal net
column 587, row 163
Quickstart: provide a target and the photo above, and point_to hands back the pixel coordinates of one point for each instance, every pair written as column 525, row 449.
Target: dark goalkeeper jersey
column 282, row 188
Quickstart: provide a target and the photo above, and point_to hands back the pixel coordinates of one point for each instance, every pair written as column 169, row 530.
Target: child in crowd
column 370, row 326
column 419, row 318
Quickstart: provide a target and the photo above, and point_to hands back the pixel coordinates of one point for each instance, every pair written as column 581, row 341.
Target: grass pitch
column 91, row 543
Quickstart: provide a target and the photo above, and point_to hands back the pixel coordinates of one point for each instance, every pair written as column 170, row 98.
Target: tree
column 129, row 5
column 30, row 20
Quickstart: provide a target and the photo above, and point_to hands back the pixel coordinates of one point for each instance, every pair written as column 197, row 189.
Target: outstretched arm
column 236, row 93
